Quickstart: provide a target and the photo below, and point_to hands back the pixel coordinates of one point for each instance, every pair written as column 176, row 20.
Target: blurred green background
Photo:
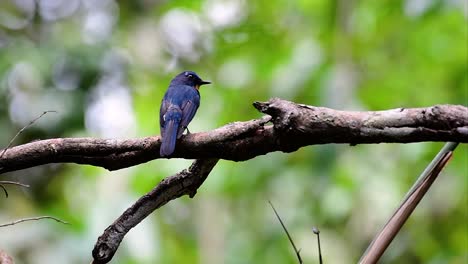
column 104, row 66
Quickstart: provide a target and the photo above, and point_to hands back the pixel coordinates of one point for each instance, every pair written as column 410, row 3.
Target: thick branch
column 294, row 126
column 185, row 182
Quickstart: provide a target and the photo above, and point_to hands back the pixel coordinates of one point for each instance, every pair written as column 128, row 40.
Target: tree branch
column 383, row 239
column 185, row 182
column 294, row 126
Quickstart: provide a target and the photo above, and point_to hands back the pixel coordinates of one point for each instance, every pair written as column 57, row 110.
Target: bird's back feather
column 178, row 107
column 172, row 119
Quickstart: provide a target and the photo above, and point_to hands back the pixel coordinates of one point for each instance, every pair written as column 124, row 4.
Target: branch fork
column 293, row 126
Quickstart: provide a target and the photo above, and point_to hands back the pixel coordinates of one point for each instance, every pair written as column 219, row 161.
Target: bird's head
column 189, row 78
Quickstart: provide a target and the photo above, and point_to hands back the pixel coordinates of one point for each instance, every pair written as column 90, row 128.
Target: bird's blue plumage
column 178, row 107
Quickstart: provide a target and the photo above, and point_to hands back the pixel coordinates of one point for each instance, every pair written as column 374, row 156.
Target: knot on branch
column 295, row 123
column 283, row 112
column 284, row 116
column 105, row 250
column 447, row 116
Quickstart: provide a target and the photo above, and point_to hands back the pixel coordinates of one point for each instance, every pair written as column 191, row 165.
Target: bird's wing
column 172, row 119
column 189, row 108
column 162, row 111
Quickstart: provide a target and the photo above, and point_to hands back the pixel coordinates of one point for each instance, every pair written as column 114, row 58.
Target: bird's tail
column 171, row 126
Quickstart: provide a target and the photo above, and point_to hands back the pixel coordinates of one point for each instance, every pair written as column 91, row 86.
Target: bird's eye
column 190, row 76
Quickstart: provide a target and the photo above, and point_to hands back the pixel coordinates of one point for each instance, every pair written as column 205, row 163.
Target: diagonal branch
column 297, row 251
column 185, row 182
column 408, row 205
column 294, row 126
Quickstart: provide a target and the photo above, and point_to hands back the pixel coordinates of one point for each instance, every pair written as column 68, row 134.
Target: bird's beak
column 200, row 84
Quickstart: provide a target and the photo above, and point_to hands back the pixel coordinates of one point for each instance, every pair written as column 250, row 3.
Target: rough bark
column 185, row 182
column 294, row 126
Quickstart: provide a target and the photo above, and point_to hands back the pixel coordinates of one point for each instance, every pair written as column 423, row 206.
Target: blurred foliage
column 104, row 66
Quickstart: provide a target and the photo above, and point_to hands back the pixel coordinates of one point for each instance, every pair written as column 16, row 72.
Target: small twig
column 5, row 190
column 13, row 183
column 24, row 128
column 11, row 143
column 317, row 232
column 287, row 233
column 412, row 199
column 33, row 219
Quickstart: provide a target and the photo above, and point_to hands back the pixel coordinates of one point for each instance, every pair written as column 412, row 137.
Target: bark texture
column 294, row 126
column 185, row 182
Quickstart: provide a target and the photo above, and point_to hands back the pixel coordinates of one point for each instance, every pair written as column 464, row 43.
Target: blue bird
column 178, row 107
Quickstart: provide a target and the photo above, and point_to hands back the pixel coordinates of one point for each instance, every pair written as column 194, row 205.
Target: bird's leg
column 188, row 131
